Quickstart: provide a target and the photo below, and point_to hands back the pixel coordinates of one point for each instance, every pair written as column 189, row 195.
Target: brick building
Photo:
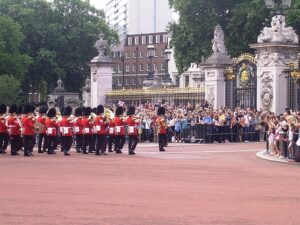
column 131, row 73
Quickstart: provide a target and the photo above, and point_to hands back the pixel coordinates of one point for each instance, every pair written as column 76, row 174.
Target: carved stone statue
column 218, row 46
column 102, row 47
column 278, row 32
column 266, row 94
column 86, row 93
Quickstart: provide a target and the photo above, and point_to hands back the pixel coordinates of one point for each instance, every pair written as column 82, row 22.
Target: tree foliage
column 59, row 36
column 242, row 21
column 10, row 90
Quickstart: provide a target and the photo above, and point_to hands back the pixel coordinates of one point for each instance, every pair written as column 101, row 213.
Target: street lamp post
column 167, row 81
column 123, row 71
column 150, row 52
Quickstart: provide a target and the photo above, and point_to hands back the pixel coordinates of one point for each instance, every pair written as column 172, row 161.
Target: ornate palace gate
column 241, row 83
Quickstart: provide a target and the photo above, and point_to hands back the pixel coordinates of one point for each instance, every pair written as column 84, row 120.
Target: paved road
column 189, row 184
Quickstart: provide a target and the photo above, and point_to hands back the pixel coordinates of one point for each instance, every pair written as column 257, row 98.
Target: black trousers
column 29, row 141
column 42, row 141
column 111, row 141
column 119, row 142
column 2, row 138
column 78, row 142
column 51, row 144
column 86, row 142
column 162, row 141
column 93, row 143
column 66, row 143
column 100, row 143
column 15, row 142
column 132, row 142
column 5, row 141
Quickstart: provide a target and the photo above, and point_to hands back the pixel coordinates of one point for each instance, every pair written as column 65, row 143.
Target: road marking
column 205, row 151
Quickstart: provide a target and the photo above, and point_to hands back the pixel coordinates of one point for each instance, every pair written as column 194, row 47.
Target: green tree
column 10, row 90
column 59, row 36
column 12, row 61
column 242, row 21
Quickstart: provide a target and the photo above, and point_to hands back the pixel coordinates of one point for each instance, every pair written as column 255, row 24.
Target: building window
column 157, row 39
column 187, row 81
column 134, row 68
column 143, row 40
column 163, row 66
column 154, row 67
column 155, row 53
column 119, row 68
column 141, row 55
column 114, row 69
column 136, row 40
column 141, row 67
column 134, row 81
column 150, row 39
column 127, row 55
column 165, row 38
column 129, row 40
column 134, row 54
column 116, row 55
column 162, row 53
column 119, row 81
column 127, row 81
column 127, row 69
column 148, row 66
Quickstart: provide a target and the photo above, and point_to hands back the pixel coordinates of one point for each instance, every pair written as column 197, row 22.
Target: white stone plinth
column 101, row 81
column 272, row 64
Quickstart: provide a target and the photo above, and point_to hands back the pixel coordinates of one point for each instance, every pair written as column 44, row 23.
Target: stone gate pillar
column 214, row 69
column 277, row 47
column 101, row 74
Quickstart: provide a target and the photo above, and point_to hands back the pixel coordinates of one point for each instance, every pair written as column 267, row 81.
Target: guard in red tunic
column 100, row 125
column 78, row 127
column 28, row 129
column 87, row 124
column 51, row 131
column 3, row 127
column 42, row 136
column 161, row 128
column 67, row 130
column 110, row 131
column 14, row 125
column 119, row 130
column 132, row 123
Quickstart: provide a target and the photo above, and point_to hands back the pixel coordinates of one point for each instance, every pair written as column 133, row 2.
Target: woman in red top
column 28, row 130
column 78, row 129
column 14, row 125
column 3, row 127
column 51, row 131
column 67, row 130
column 100, row 130
column 132, row 123
column 119, row 130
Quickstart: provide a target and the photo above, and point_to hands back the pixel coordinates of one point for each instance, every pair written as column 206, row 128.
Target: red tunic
column 161, row 125
column 99, row 125
column 14, row 126
column 28, row 126
column 3, row 127
column 51, row 127
column 87, row 126
column 119, row 126
column 111, row 128
column 42, row 120
column 78, row 126
column 66, row 127
column 132, row 126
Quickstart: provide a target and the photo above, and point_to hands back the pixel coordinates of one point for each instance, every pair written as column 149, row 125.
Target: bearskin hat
column 119, row 111
column 13, row 109
column 51, row 113
column 43, row 109
column 27, row 109
column 3, row 109
column 100, row 110
column 161, row 111
column 94, row 110
column 20, row 110
column 63, row 111
column 67, row 111
column 78, row 112
column 131, row 111
column 87, row 111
